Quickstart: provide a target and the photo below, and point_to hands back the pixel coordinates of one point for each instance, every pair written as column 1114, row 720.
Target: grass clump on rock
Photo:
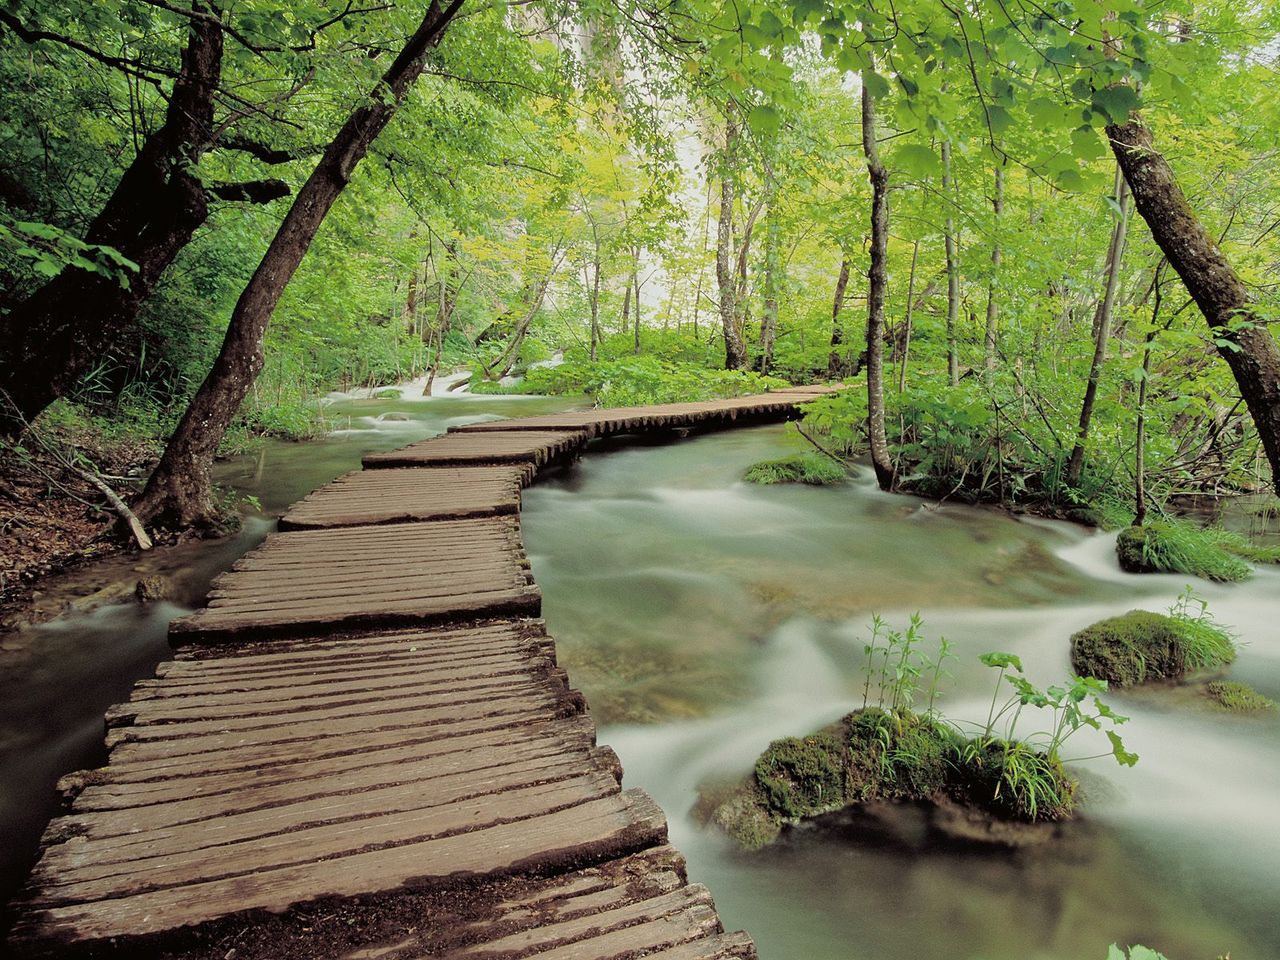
column 1237, row 697
column 1179, row 546
column 815, row 469
column 1141, row 646
column 890, row 751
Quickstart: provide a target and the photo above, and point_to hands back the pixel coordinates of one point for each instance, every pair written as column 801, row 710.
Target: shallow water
column 58, row 679
column 704, row 617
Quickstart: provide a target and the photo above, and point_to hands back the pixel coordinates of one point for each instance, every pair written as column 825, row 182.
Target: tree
column 179, row 491
column 1240, row 333
column 877, row 279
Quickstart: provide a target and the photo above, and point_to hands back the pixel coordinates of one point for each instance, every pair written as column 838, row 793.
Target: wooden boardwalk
column 363, row 747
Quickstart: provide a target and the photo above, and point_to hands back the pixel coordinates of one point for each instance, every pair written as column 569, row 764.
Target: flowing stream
column 704, row 617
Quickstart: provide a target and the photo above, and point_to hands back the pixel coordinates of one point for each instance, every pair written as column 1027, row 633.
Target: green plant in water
column 1136, row 952
column 815, row 469
column 1205, row 642
column 1238, row 697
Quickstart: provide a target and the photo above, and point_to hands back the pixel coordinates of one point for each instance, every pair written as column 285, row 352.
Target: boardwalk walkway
column 363, row 747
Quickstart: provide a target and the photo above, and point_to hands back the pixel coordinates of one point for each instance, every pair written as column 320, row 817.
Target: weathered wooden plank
column 369, row 576
column 367, row 497
column 605, row 827
column 452, row 449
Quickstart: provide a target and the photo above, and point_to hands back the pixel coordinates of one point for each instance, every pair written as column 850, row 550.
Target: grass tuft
column 815, row 469
column 1237, row 697
column 1179, row 546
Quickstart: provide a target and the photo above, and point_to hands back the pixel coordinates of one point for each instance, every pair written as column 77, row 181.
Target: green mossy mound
column 1130, row 649
column 814, row 469
column 1238, row 697
column 1140, row 646
column 1181, row 547
column 873, row 756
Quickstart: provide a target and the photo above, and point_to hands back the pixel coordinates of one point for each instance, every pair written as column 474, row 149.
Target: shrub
column 815, row 469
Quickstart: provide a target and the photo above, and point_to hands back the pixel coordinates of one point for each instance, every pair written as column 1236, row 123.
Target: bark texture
column 1244, row 339
column 877, row 280
column 179, row 492
column 992, row 339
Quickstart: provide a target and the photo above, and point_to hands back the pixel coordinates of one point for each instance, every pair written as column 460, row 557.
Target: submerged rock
column 151, row 589
column 1238, row 697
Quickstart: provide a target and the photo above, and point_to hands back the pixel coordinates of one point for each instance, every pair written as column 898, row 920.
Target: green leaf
column 1117, row 102
column 1123, row 756
column 917, row 160
column 764, row 119
column 1002, row 660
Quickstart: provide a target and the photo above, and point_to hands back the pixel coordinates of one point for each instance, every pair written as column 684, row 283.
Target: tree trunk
column 411, row 304
column 837, row 365
column 769, row 320
column 877, row 280
column 502, row 366
column 635, row 284
column 906, row 339
column 735, row 351
column 53, row 337
column 992, row 342
column 179, row 492
column 626, row 308
column 953, row 270
column 1102, row 326
column 1242, row 336
column 595, row 309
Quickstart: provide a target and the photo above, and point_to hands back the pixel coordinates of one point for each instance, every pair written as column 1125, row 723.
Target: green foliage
column 815, row 469
column 1136, row 952
column 1181, row 546
column 1205, row 642
column 1238, row 697
column 634, row 381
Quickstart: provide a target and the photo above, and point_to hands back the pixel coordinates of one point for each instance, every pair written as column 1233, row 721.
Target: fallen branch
column 121, row 508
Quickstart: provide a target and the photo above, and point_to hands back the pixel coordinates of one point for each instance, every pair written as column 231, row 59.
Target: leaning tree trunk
column 595, row 308
column 735, row 350
column 953, row 270
column 837, row 364
column 52, row 338
column 179, row 492
column 1242, row 335
column 992, row 340
column 1102, row 333
column 877, row 280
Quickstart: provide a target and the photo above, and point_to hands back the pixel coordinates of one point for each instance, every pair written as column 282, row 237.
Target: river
column 704, row 617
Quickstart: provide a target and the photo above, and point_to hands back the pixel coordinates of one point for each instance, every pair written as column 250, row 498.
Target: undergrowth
column 1183, row 546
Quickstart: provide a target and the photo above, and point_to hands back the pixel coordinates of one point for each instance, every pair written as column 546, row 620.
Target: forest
column 1029, row 245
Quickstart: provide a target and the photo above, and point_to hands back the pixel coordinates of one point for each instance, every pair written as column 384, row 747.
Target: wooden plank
column 368, row 577
column 496, row 447
column 607, row 421
column 600, row 828
column 369, row 497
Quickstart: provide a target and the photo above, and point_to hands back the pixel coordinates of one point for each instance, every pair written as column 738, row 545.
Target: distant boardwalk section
column 363, row 747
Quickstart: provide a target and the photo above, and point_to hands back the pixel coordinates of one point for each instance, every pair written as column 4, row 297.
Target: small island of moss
column 1141, row 646
column 1238, row 697
column 815, row 469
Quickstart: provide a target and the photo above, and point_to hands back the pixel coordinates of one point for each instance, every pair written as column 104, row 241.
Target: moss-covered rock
column 1130, row 649
column 746, row 821
column 801, row 777
column 1183, row 547
column 1130, row 552
column 1238, row 697
column 815, row 469
column 874, row 756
